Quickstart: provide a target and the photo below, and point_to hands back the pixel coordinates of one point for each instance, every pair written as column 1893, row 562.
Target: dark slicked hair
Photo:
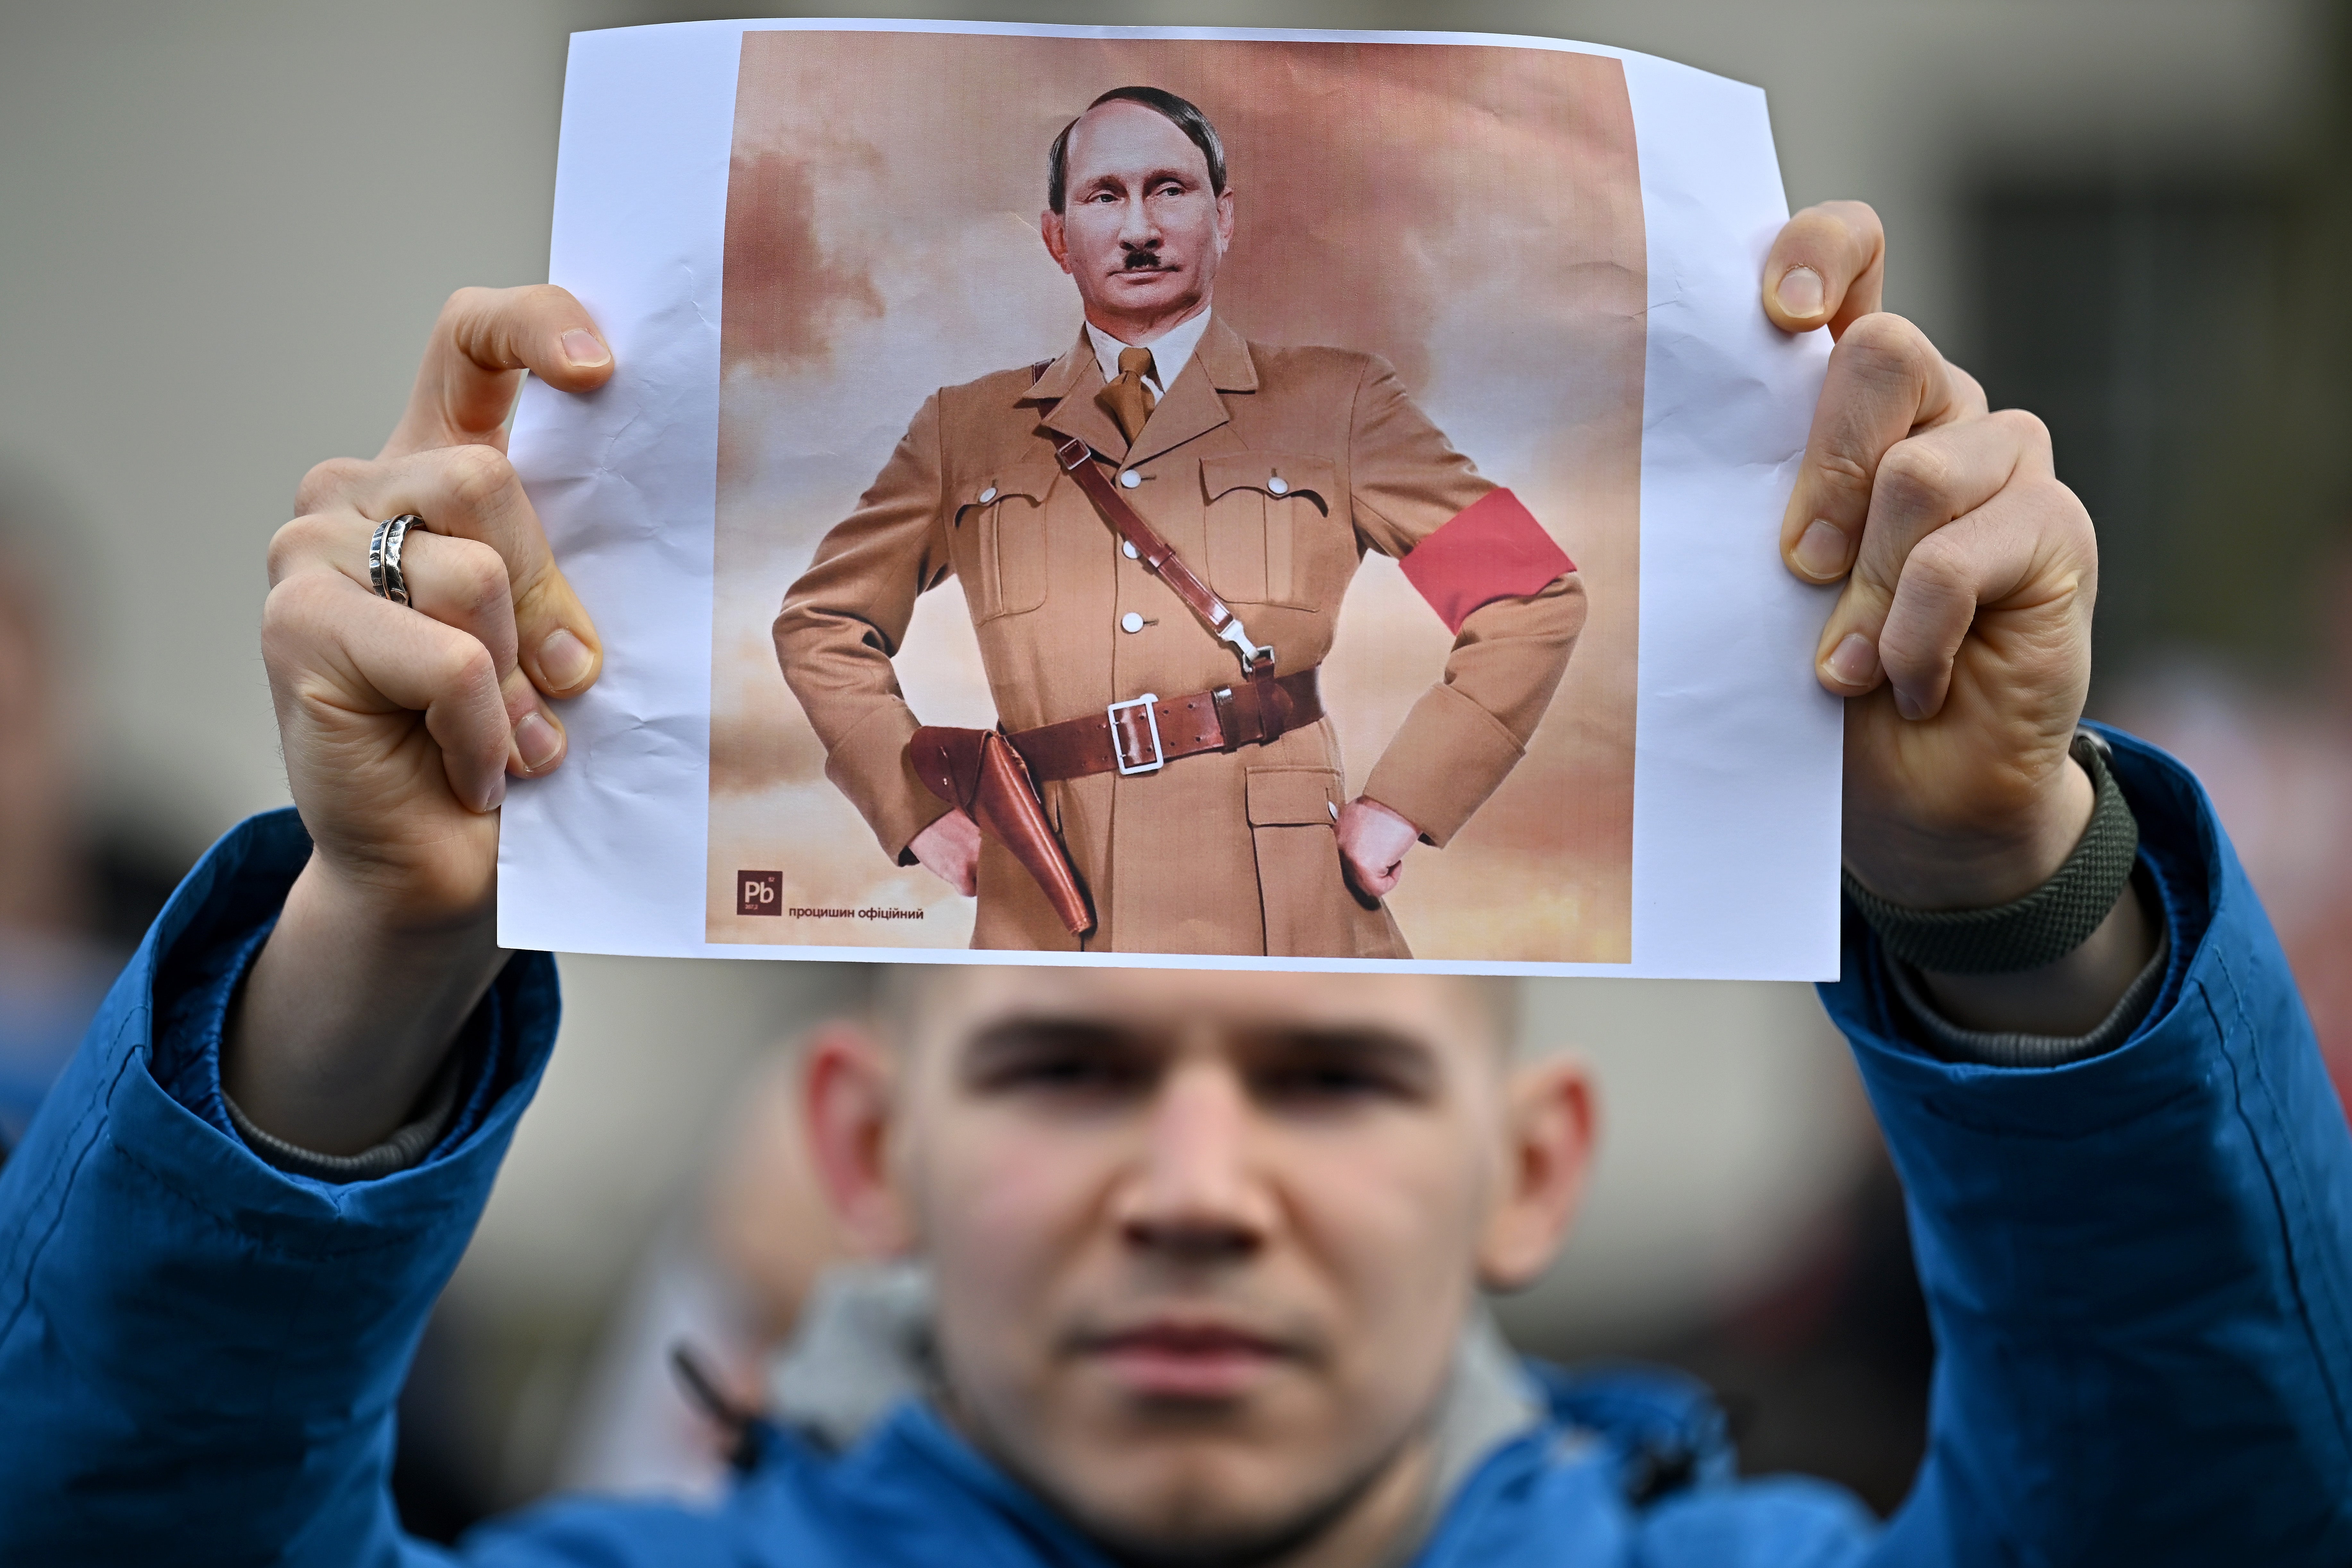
column 1182, row 113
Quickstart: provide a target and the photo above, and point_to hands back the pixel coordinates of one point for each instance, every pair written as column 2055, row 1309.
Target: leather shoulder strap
column 1076, row 459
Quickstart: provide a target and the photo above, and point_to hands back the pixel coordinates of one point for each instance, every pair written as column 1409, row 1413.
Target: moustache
column 1142, row 261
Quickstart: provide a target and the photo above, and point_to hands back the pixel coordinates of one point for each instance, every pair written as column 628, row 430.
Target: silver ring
column 384, row 575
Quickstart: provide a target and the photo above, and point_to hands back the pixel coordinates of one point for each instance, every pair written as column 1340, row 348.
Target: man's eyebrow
column 1015, row 1033
column 1408, row 1056
column 1112, row 178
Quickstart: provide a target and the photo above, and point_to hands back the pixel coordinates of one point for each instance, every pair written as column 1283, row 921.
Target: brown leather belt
column 1144, row 734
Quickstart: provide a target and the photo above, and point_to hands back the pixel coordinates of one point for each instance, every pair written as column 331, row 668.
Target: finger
column 1884, row 381
column 1984, row 560
column 1374, row 881
column 483, row 341
column 1827, row 267
column 388, row 659
column 1923, row 485
column 959, row 872
column 460, row 582
column 950, row 849
column 472, row 493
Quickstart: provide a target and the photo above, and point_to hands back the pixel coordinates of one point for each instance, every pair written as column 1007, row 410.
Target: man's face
column 1203, row 1242
column 1141, row 232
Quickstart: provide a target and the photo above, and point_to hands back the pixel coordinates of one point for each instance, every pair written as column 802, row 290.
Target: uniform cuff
column 869, row 765
column 1447, row 757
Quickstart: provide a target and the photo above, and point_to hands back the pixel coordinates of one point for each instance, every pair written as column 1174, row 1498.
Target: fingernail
column 581, row 347
column 537, row 741
column 1821, row 553
column 1907, row 705
column 1854, row 663
column 564, row 659
column 1800, row 291
column 495, row 796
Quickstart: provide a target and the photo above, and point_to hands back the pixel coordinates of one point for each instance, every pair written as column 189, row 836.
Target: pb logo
column 758, row 893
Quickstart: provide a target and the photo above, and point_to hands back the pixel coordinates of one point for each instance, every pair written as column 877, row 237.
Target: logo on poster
column 759, row 892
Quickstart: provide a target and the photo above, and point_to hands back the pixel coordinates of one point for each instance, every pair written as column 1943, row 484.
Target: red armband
column 1492, row 548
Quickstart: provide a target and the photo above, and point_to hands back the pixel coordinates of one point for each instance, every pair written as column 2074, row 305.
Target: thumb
column 1827, row 267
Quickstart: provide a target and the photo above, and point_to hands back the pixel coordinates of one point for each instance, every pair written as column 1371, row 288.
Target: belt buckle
column 1151, row 718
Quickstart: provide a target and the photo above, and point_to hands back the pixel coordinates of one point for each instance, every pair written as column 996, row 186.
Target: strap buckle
column 1072, row 455
column 1118, row 740
column 1251, row 652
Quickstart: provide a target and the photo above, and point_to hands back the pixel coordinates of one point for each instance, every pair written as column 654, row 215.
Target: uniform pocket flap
column 1274, row 474
column 1292, row 796
column 1032, row 482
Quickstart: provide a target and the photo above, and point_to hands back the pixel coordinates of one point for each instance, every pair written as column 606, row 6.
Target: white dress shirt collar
column 1171, row 352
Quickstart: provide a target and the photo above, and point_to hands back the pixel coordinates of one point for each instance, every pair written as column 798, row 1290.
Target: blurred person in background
column 74, row 895
column 1206, row 1247
column 723, row 1284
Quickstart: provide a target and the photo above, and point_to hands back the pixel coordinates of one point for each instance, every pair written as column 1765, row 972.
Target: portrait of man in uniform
column 1155, row 530
column 1215, row 821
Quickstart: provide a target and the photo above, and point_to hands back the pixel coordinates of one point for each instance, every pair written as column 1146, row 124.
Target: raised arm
column 2130, row 1185
column 400, row 726
column 213, row 1264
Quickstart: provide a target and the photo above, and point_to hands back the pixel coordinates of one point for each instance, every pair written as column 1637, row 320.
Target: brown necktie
column 1128, row 400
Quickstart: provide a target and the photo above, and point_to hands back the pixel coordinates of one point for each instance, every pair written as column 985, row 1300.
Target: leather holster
column 977, row 771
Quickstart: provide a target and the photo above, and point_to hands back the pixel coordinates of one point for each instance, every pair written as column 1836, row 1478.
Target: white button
column 988, row 494
column 1130, row 621
column 1130, row 479
column 1132, row 552
column 1278, row 484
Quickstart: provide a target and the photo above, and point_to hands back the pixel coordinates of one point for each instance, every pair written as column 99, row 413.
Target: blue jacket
column 2139, row 1268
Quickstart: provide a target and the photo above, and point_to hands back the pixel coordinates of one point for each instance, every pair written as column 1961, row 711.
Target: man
column 1212, row 818
column 1206, row 1247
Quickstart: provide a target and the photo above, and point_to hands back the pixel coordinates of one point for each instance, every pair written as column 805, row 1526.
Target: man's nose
column 1136, row 228
column 1197, row 1193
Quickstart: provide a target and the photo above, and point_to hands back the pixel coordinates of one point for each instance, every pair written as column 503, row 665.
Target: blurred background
column 225, row 228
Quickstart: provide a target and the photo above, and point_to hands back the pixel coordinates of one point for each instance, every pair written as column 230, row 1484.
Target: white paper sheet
column 1734, row 782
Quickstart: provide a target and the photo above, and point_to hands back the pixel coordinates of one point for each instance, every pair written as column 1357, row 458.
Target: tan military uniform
column 1271, row 470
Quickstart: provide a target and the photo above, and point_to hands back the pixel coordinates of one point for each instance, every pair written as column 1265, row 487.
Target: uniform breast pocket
column 998, row 544
column 1264, row 513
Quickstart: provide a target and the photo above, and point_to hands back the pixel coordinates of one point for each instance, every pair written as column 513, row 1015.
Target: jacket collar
column 1193, row 407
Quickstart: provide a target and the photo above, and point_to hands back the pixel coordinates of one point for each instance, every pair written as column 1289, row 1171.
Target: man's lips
column 1179, row 1360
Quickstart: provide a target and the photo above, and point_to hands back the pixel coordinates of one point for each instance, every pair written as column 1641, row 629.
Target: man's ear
column 848, row 1110
column 1057, row 237
column 1548, row 1149
column 1225, row 220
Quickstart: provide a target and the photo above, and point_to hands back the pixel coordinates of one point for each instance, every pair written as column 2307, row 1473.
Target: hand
column 400, row 726
column 1372, row 844
column 1962, row 637
column 950, row 849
